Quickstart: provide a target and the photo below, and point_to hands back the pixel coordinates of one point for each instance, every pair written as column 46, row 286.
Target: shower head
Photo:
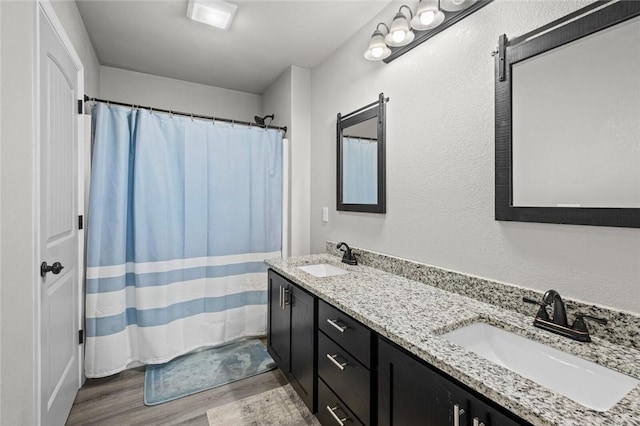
column 260, row 120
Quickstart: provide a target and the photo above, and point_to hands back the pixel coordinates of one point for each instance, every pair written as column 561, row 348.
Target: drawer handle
column 457, row 412
column 477, row 422
column 340, row 328
column 332, row 358
column 332, row 411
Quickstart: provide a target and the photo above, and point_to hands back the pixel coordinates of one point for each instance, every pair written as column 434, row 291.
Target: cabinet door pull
column 457, row 412
column 286, row 297
column 332, row 411
column 340, row 328
column 281, row 296
column 477, row 422
column 340, row 365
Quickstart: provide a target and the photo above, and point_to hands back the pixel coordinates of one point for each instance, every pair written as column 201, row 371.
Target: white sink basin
column 585, row 382
column 323, row 270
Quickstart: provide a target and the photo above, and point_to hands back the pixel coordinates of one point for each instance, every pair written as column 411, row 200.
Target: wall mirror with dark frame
column 568, row 120
column 361, row 159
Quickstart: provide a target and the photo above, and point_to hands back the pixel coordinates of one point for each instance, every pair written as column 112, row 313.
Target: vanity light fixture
column 216, row 13
column 378, row 49
column 408, row 31
column 455, row 5
column 428, row 15
column 400, row 33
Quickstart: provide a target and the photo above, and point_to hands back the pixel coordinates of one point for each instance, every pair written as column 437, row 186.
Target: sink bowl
column 585, row 382
column 323, row 270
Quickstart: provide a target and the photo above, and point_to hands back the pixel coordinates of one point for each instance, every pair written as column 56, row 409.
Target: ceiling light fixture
column 378, row 49
column 216, row 13
column 431, row 17
column 400, row 33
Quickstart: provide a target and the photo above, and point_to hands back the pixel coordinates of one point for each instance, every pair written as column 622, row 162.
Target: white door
column 58, row 228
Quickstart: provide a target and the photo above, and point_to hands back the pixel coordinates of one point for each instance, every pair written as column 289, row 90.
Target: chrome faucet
column 349, row 258
column 557, row 323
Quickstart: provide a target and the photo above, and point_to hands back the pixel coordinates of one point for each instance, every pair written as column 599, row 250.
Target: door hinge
column 80, row 337
column 80, row 106
column 80, row 222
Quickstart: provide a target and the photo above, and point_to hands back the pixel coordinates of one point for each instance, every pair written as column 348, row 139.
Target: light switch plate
column 325, row 214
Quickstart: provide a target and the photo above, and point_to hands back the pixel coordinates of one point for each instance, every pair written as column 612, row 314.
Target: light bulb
column 398, row 36
column 376, row 52
column 427, row 17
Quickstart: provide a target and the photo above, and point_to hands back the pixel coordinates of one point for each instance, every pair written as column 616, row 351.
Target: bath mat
column 203, row 370
column 277, row 407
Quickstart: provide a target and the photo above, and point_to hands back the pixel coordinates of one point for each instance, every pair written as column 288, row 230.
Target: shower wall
column 168, row 93
column 289, row 97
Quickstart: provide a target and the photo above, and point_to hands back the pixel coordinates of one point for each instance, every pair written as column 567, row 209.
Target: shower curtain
column 182, row 214
column 360, row 170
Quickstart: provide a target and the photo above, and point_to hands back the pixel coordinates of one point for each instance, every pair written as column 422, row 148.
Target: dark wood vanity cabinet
column 411, row 393
column 291, row 335
column 344, row 367
column 347, row 374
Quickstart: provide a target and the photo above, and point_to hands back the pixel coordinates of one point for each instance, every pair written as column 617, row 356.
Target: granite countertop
column 414, row 315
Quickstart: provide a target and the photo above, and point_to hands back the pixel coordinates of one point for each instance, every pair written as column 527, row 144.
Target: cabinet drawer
column 349, row 379
column 347, row 332
column 331, row 410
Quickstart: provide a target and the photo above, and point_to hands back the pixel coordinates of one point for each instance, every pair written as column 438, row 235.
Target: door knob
column 55, row 268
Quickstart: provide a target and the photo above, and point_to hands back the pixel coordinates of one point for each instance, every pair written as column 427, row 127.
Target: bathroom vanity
column 361, row 377
column 291, row 338
column 366, row 347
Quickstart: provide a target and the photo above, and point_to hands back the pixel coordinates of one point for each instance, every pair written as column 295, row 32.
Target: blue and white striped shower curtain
column 360, row 170
column 182, row 214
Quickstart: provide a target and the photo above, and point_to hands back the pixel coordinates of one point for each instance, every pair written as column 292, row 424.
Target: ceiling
column 266, row 37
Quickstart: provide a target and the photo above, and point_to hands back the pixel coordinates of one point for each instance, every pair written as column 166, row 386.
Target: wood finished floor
column 118, row 401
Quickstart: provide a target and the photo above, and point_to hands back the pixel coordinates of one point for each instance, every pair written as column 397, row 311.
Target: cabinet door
column 486, row 415
column 409, row 393
column 278, row 336
column 302, row 343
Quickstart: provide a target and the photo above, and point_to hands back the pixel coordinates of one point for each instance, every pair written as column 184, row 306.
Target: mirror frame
column 509, row 54
column 367, row 112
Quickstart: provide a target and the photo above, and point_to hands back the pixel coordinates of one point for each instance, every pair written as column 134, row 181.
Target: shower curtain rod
column 362, row 138
column 186, row 114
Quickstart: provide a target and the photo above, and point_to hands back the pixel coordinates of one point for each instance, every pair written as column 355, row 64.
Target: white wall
column 276, row 100
column 289, row 98
column 167, row 93
column 440, row 165
column 18, row 271
column 0, row 217
column 16, row 234
column 300, row 160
